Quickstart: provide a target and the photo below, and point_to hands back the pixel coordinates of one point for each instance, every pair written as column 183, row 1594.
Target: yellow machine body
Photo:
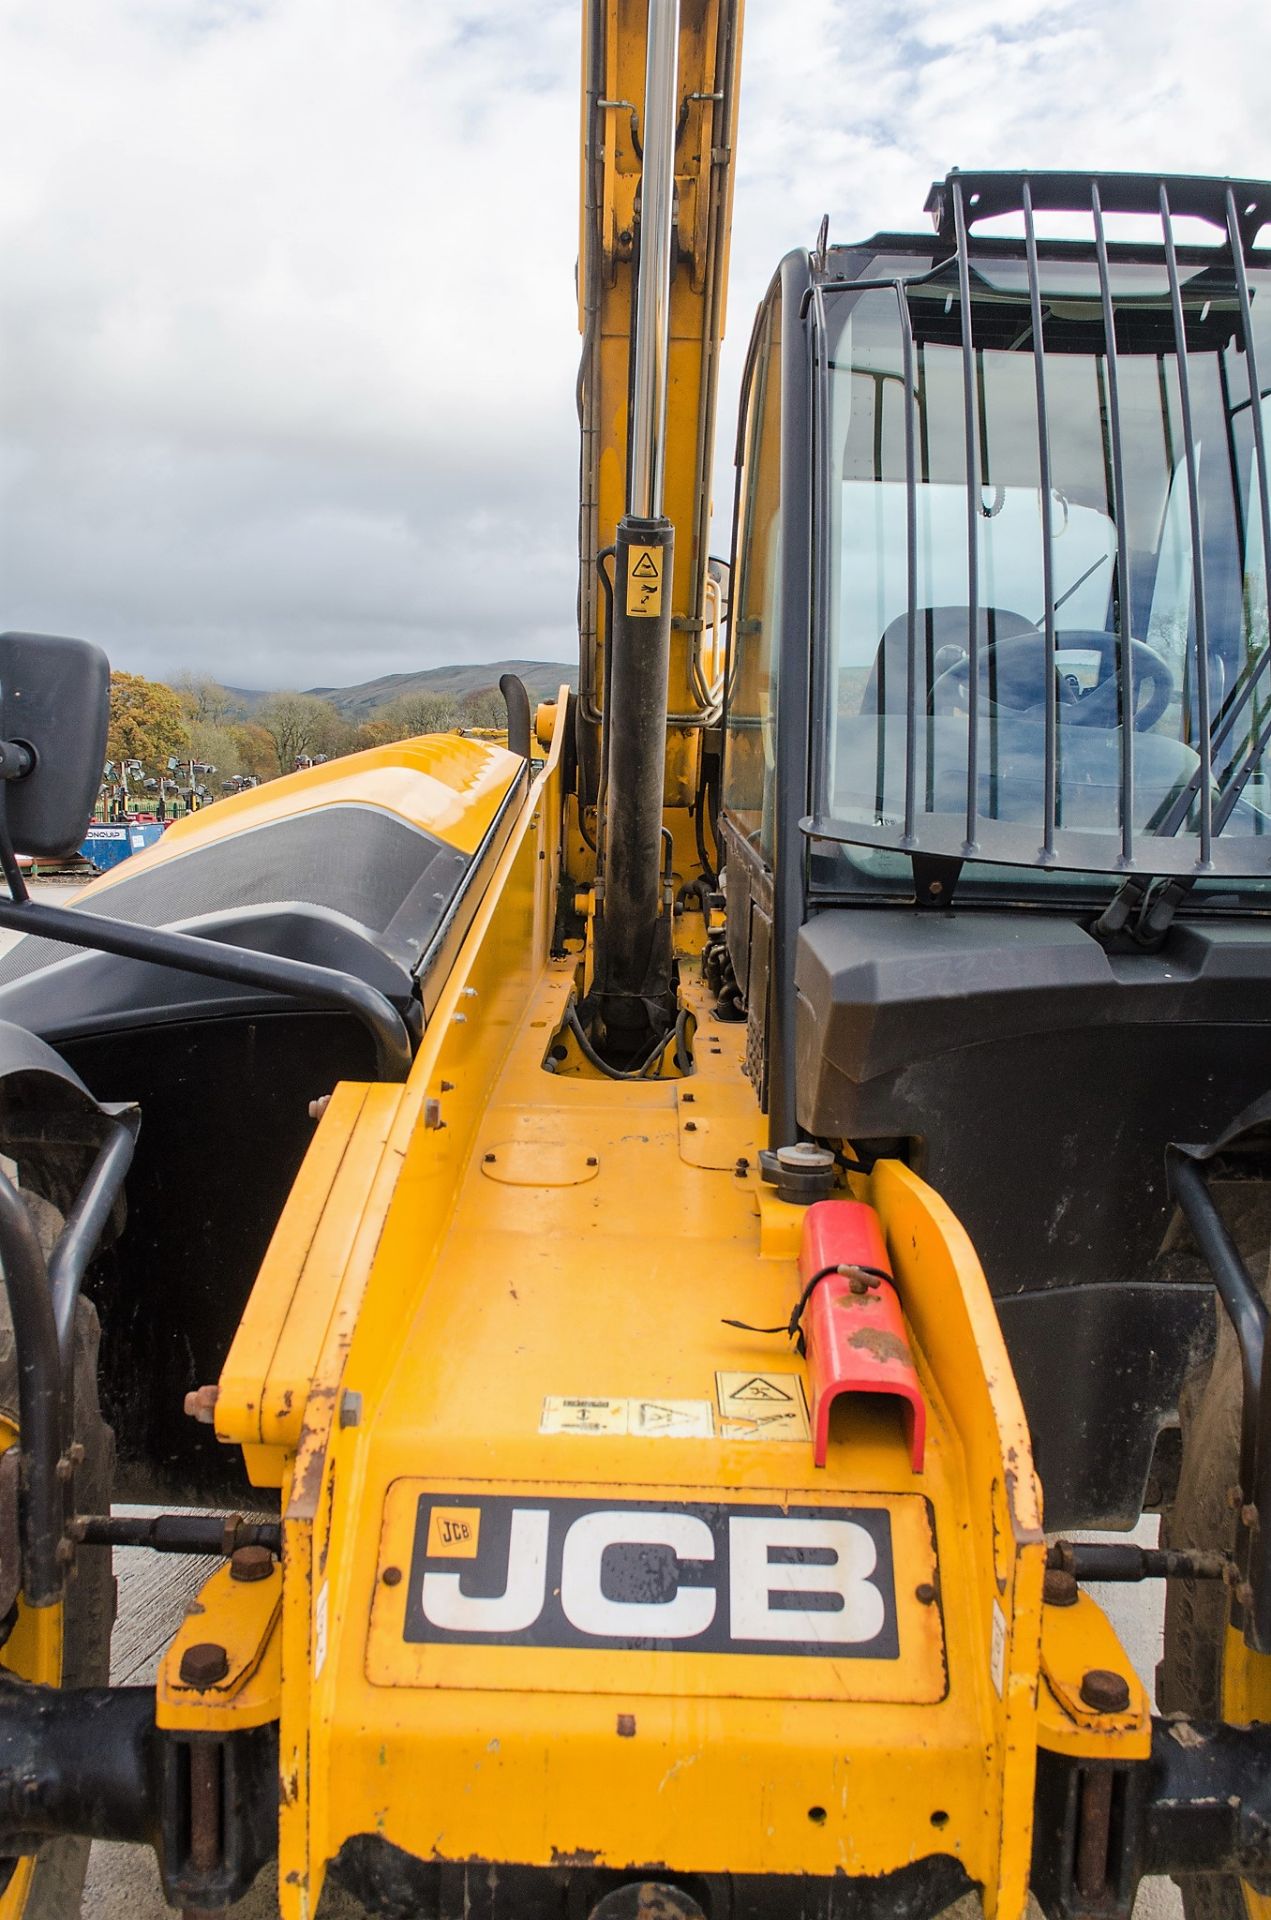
column 468, row 1302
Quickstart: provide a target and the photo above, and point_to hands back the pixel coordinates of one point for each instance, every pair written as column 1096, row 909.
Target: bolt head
column 249, row 1564
column 204, row 1664
column 1104, row 1691
column 201, row 1404
column 1059, row 1588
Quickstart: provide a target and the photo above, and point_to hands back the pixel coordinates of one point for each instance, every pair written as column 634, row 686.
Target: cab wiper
column 1142, row 910
column 1068, row 592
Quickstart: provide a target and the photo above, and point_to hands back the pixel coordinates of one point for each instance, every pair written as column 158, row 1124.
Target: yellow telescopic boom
column 615, row 62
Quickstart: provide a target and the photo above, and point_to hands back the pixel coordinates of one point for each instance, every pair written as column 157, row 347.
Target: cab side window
column 750, row 737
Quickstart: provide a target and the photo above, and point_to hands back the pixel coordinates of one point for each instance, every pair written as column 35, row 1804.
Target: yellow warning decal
column 761, row 1406
column 454, row 1533
column 644, row 580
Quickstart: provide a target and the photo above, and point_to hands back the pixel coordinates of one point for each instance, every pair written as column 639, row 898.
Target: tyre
column 54, row 1882
column 1190, row 1676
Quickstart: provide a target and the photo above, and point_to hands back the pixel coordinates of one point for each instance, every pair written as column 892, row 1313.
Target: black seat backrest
column 886, row 690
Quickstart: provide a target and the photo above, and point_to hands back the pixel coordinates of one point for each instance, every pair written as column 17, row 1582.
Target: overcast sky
column 287, row 328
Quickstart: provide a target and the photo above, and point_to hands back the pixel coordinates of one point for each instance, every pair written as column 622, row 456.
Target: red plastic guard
column 856, row 1340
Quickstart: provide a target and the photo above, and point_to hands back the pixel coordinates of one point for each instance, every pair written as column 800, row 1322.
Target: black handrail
column 190, row 953
column 1248, row 1314
column 85, row 1222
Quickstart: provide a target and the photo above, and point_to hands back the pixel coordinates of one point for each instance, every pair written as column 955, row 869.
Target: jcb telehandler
column 770, row 1121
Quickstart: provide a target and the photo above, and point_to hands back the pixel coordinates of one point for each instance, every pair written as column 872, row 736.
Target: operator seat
column 886, row 690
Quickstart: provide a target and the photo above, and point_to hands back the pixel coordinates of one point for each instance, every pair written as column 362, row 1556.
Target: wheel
column 1194, row 1675
column 67, row 1646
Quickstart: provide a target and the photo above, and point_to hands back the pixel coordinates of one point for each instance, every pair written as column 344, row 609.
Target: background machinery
column 689, row 1183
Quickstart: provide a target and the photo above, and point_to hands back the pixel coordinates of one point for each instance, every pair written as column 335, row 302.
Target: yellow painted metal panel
column 446, row 783
column 504, row 1295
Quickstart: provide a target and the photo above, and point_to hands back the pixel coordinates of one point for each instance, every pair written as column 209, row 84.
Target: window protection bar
column 1051, row 776
column 1205, row 745
column 970, row 418
column 1240, row 209
column 1124, row 601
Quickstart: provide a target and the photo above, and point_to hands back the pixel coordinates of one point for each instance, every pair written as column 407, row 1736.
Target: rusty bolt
column 201, row 1404
column 592, row 1160
column 392, row 1576
column 743, row 1165
column 626, row 1726
column 690, row 1126
column 925, row 1593
column 1104, row 1691
column 432, row 1114
column 490, row 1159
column 204, row 1664
column 688, row 1098
column 251, row 1563
column 1059, row 1589
column 318, row 1107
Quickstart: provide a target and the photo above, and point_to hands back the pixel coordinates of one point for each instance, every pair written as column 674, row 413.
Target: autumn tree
column 255, row 749
column 485, row 707
column 146, row 721
column 413, row 714
column 301, row 725
column 205, row 703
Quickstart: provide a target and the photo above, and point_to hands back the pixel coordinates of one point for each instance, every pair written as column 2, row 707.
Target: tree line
column 199, row 723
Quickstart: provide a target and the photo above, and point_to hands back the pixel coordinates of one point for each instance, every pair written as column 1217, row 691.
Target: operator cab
column 995, row 805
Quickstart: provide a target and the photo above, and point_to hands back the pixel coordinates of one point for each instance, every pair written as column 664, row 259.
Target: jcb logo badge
column 709, row 1579
column 454, row 1533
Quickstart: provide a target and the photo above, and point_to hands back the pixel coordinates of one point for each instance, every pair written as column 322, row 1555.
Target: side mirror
column 54, row 716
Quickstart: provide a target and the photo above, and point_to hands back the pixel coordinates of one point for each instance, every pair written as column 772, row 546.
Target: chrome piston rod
column 653, row 293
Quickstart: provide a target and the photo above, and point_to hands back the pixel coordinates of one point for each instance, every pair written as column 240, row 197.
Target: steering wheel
column 1018, row 665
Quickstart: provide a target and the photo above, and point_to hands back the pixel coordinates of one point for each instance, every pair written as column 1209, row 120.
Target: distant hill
column 542, row 678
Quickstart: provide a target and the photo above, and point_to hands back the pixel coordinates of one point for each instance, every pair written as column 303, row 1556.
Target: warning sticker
column 563, row 1414
column 761, row 1406
column 997, row 1649
column 644, row 580
column 454, row 1533
column 673, row 1419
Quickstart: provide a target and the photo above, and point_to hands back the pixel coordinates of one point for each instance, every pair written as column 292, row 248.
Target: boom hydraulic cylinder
column 633, row 958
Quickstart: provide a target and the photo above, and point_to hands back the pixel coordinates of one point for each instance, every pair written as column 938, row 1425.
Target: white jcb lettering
column 521, row 1601
column 756, row 1579
column 688, row 1611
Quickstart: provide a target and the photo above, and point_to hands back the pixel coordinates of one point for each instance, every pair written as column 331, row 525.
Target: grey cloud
column 287, row 322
